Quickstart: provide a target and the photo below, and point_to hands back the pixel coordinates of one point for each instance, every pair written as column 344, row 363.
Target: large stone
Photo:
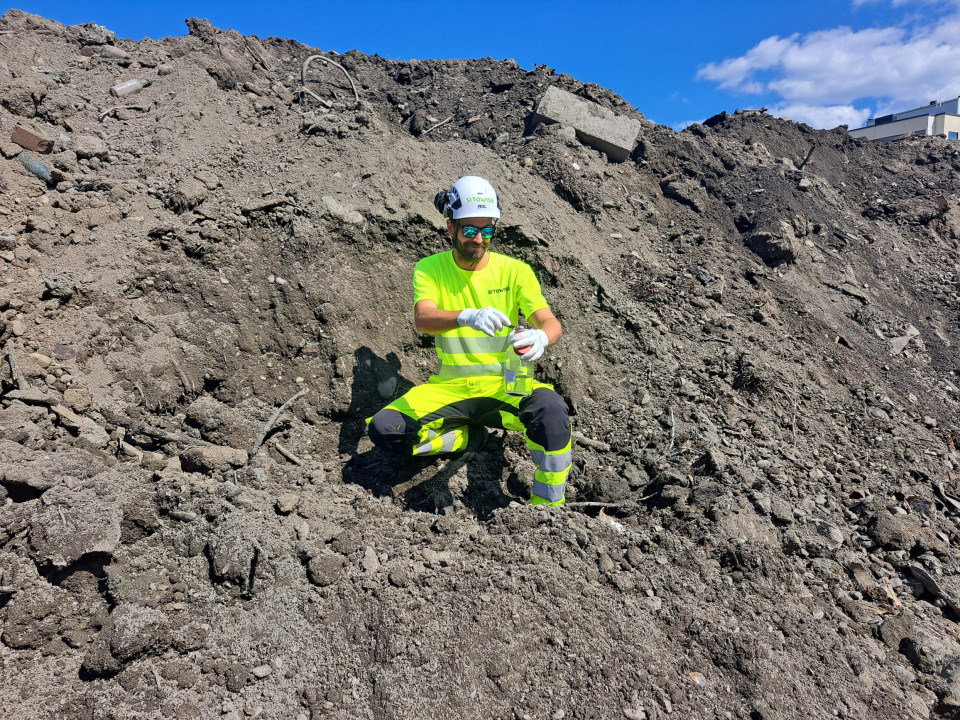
column 325, row 570
column 33, row 616
column 90, row 146
column 187, row 195
column 897, row 532
column 686, row 192
column 336, row 209
column 132, row 632
column 18, row 424
column 221, row 424
column 773, row 248
column 895, row 628
column 212, row 458
column 74, row 523
column 595, row 125
column 77, row 398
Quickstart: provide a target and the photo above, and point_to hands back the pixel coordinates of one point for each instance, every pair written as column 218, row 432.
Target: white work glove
column 536, row 339
column 487, row 320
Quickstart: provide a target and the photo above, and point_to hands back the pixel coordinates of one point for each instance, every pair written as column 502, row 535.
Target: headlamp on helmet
column 470, row 196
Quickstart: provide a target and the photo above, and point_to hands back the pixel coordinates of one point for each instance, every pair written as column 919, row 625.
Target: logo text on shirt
column 497, row 291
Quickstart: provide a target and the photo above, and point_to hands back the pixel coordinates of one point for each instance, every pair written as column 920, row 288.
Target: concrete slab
column 594, row 124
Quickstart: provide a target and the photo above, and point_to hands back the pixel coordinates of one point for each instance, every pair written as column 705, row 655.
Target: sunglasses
column 470, row 231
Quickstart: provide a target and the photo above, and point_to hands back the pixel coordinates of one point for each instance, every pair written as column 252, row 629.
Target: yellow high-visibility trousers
column 437, row 418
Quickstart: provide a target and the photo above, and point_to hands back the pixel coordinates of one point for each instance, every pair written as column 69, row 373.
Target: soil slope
column 760, row 326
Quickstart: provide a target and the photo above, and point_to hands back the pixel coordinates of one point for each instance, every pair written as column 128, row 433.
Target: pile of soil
column 759, row 320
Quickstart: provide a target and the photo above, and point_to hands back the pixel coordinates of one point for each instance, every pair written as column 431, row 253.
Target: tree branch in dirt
column 673, row 431
column 434, row 127
column 272, row 421
column 303, row 77
column 288, row 455
column 138, row 428
column 319, row 99
column 264, row 205
column 107, row 113
column 18, row 379
column 590, row 442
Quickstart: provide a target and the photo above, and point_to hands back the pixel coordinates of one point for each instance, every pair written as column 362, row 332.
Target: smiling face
column 468, row 251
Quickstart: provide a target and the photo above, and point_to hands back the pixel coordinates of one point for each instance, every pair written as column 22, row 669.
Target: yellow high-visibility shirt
column 504, row 283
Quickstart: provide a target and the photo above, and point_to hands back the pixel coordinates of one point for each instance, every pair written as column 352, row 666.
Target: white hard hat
column 470, row 196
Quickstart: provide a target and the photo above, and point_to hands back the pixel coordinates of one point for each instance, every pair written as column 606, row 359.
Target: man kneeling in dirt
column 468, row 297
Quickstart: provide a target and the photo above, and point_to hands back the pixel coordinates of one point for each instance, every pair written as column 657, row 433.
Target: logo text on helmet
column 480, row 200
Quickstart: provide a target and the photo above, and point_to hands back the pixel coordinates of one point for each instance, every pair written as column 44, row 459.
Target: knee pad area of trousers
column 547, row 418
column 391, row 429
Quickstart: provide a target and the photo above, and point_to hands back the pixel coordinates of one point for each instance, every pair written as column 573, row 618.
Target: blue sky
column 823, row 62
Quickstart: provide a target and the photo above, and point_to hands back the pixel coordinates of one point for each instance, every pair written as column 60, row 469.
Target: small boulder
column 77, row 399
column 212, row 458
column 336, row 209
column 74, row 523
column 188, row 194
column 325, row 570
column 132, row 632
column 773, row 249
column 287, row 502
column 90, row 146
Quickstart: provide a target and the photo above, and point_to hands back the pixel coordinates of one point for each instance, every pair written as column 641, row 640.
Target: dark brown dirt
column 760, row 327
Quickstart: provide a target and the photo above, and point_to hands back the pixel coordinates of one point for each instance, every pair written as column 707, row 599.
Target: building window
column 952, row 136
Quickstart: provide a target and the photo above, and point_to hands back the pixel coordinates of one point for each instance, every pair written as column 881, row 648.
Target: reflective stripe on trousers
column 443, row 443
column 550, row 479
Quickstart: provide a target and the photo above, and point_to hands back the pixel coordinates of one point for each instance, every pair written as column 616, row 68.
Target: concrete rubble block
column 595, row 125
column 30, row 140
column 899, row 344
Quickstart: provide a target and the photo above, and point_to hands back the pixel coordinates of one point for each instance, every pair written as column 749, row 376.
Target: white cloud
column 823, row 116
column 686, row 123
column 898, row 3
column 820, row 76
column 734, row 73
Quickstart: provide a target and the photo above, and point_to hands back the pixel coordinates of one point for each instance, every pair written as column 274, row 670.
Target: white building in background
column 937, row 118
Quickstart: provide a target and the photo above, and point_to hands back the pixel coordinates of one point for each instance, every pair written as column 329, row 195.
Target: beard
column 470, row 251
